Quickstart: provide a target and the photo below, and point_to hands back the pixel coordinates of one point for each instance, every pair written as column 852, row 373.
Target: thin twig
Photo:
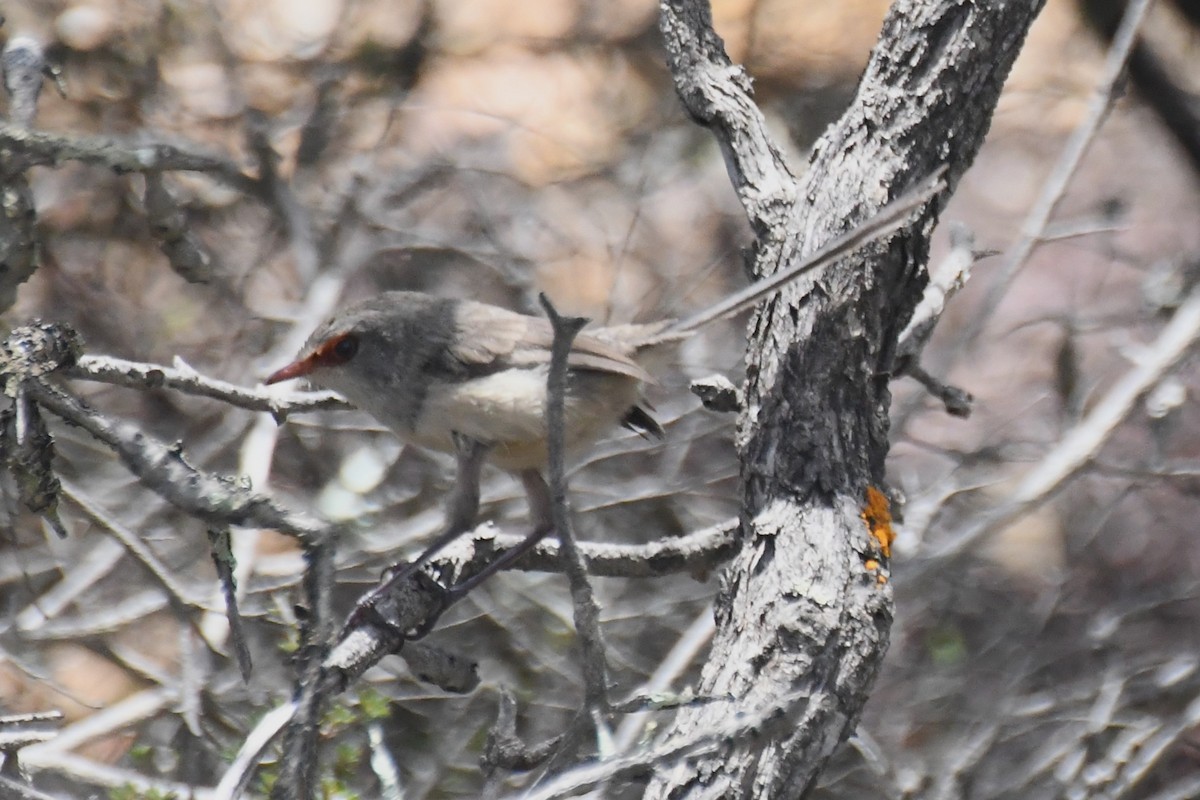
column 234, row 781
column 163, row 470
column 38, row 148
column 673, row 664
column 188, row 255
column 220, row 542
column 364, row 644
column 587, row 612
column 1082, row 443
column 298, row 770
column 945, row 279
column 889, row 219
column 182, row 378
column 88, row 772
column 1034, row 228
column 505, row 750
column 383, row 764
column 130, row 711
column 414, row 602
column 133, row 545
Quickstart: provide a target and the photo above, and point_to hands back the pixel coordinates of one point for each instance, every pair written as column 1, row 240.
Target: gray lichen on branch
column 29, row 353
column 24, row 63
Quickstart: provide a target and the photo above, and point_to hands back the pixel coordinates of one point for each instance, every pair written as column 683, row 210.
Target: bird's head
column 380, row 353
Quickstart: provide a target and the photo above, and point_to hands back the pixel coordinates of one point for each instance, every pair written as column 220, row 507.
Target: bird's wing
column 491, row 335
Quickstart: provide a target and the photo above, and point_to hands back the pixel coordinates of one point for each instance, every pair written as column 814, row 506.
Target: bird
column 470, row 378
column 436, row 370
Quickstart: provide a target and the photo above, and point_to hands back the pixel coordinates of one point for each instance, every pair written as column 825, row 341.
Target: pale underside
column 508, row 411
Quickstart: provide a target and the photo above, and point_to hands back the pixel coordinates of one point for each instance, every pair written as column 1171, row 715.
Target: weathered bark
column 804, row 613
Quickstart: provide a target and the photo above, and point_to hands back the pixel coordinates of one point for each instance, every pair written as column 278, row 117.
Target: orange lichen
column 878, row 516
column 872, row 565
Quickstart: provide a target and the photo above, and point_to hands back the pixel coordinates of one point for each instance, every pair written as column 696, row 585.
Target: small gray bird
column 431, row 368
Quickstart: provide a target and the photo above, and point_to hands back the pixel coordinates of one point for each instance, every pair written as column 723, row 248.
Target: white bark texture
column 802, row 620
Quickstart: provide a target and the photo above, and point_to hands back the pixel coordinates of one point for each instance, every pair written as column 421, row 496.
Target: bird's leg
column 462, row 506
column 541, row 504
column 540, row 514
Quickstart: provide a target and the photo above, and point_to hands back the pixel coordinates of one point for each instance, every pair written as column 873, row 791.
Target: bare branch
column 39, row 148
column 221, row 549
column 23, row 65
column 717, row 94
column 889, row 219
column 587, row 612
column 945, row 279
column 298, row 768
column 1034, row 228
column 187, row 254
column 695, row 553
column 163, row 470
column 237, row 776
column 183, row 378
column 1082, row 443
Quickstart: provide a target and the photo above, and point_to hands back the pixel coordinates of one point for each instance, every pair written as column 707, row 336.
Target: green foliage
column 131, row 792
column 375, row 705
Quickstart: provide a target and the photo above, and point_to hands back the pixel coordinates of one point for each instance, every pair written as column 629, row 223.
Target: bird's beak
column 297, row 369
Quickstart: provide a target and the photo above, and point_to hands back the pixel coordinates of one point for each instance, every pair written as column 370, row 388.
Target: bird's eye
column 344, row 348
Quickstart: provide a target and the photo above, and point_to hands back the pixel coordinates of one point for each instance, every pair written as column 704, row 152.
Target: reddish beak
column 297, row 369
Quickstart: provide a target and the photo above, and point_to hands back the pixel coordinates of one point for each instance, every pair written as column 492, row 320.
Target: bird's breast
column 508, row 410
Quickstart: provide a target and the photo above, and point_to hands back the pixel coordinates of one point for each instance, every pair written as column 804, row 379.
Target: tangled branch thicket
column 212, row 182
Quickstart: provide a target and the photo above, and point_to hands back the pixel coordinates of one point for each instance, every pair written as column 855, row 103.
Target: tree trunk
column 804, row 612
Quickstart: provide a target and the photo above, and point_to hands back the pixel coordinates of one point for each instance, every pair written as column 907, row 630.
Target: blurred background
column 488, row 149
